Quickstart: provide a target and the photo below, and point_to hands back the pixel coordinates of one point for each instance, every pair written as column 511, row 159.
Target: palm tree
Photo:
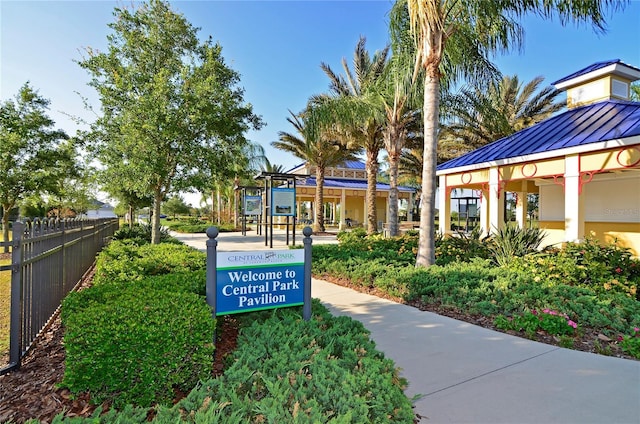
column 320, row 149
column 398, row 97
column 479, row 117
column 366, row 130
column 267, row 166
column 454, row 38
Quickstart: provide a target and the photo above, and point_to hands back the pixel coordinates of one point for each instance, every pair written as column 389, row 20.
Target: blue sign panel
column 251, row 281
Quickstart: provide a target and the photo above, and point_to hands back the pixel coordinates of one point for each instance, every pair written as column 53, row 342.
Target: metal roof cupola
column 607, row 80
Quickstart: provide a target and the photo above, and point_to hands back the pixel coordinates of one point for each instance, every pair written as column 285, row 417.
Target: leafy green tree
column 454, row 38
column 34, row 155
column 175, row 206
column 480, row 116
column 170, row 104
column 320, row 149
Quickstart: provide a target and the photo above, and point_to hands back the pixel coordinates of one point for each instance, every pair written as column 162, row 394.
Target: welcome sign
column 250, row 281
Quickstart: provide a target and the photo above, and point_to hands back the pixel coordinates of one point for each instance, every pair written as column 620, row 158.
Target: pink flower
column 618, row 270
column 572, row 324
column 636, row 329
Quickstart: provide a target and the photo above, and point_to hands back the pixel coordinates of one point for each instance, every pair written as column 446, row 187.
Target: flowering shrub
column 631, row 344
column 548, row 320
column 605, row 267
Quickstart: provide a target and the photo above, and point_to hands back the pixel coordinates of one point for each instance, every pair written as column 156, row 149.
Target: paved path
column 468, row 374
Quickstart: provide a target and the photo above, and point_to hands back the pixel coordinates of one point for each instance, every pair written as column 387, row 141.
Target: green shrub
column 195, row 225
column 631, row 343
column 140, row 233
column 286, row 370
column 461, row 247
column 605, row 267
column 129, row 343
column 511, row 241
column 125, row 261
column 530, row 322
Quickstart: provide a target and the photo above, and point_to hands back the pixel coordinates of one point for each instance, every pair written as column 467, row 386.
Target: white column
column 366, row 213
column 484, row 213
column 386, row 212
column 496, row 201
column 444, row 206
column 521, row 206
column 573, row 203
column 343, row 211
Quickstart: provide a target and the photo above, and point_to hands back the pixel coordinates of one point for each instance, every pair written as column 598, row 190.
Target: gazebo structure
column 584, row 164
column 345, row 190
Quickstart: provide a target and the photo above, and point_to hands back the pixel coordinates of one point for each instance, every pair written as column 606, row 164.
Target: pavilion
column 583, row 163
column 345, row 190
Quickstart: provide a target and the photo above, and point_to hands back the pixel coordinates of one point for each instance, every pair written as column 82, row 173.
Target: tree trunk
column 393, row 152
column 219, row 205
column 426, row 243
column 318, row 224
column 213, row 206
column 155, row 219
column 372, row 180
column 5, row 227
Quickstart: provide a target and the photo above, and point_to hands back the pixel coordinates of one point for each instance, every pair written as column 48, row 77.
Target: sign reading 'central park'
column 248, row 281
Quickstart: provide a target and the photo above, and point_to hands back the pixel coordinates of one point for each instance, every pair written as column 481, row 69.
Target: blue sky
column 276, row 46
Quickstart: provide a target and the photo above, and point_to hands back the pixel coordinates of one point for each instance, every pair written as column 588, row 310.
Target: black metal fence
column 48, row 259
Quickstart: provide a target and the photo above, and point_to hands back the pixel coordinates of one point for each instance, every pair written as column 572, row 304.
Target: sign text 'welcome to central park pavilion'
column 248, row 281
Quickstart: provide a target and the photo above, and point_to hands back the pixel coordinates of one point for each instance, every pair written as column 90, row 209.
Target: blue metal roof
column 352, row 164
column 590, row 68
column 583, row 125
column 347, row 184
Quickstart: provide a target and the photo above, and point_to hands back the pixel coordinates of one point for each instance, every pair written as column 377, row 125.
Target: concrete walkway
column 462, row 373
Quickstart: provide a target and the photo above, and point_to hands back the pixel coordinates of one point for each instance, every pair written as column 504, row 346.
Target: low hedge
column 287, row 370
column 126, row 261
column 143, row 329
column 127, row 343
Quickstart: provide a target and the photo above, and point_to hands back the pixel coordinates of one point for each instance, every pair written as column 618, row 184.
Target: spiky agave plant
column 511, row 241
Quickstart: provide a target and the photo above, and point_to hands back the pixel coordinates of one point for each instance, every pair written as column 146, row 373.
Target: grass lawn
column 5, row 302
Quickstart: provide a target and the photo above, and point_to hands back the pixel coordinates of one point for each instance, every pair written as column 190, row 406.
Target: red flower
column 618, row 270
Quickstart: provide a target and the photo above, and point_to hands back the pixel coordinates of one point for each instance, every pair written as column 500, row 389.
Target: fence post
column 16, row 295
column 212, row 244
column 306, row 308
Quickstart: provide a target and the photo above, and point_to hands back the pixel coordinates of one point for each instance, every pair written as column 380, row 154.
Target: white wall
column 612, row 198
column 551, row 207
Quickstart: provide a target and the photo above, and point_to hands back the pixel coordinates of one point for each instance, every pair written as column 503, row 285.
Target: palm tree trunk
column 426, row 243
column 372, row 180
column 318, row 225
column 393, row 142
